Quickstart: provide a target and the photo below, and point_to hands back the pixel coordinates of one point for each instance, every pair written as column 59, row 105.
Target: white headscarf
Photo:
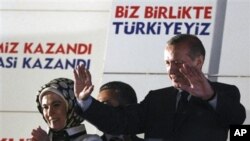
column 65, row 89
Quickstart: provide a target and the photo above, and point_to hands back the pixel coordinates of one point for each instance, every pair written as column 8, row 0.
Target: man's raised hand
column 83, row 86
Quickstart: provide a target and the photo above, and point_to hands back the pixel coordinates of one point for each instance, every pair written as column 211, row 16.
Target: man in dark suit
column 118, row 94
column 193, row 109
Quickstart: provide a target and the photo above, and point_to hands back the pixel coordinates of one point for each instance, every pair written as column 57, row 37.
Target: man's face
column 175, row 57
column 109, row 97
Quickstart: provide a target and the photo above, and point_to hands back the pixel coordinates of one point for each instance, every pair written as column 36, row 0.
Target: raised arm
column 83, row 86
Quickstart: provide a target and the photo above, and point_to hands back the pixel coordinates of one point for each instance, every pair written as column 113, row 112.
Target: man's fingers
column 192, row 74
column 81, row 72
column 75, row 74
column 187, row 71
column 88, row 77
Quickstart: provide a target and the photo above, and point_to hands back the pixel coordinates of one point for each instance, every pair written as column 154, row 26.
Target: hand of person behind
column 83, row 86
column 39, row 135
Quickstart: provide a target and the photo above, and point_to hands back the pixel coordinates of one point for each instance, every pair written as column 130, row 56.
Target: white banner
column 138, row 32
column 36, row 46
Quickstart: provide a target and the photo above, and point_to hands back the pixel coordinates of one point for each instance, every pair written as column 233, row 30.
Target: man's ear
column 200, row 61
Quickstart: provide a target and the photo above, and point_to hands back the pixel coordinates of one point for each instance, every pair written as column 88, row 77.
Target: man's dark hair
column 194, row 43
column 126, row 94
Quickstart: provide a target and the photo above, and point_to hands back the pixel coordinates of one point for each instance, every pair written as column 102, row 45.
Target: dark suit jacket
column 132, row 138
column 155, row 116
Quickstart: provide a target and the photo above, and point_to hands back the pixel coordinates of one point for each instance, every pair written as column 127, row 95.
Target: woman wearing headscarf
column 57, row 103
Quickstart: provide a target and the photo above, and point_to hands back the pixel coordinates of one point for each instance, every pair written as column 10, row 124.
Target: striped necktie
column 182, row 102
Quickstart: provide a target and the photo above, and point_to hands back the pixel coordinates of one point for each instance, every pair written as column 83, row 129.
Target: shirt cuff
column 213, row 101
column 84, row 104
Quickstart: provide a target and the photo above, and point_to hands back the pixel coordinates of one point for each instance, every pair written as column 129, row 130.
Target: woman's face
column 54, row 111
